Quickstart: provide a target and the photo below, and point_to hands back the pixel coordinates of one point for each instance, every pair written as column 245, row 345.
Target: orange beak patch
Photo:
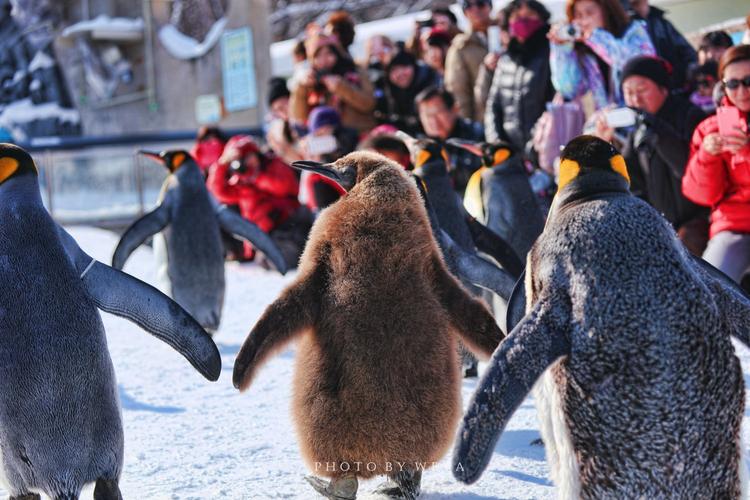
column 8, row 167
column 500, row 156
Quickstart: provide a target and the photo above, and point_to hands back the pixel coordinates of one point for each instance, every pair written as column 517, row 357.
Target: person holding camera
column 333, row 80
column 261, row 187
column 587, row 54
column 718, row 172
column 658, row 145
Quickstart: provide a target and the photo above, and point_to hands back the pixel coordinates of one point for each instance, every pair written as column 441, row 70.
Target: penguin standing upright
column 377, row 315
column 188, row 244
column 60, row 424
column 641, row 394
column 502, row 196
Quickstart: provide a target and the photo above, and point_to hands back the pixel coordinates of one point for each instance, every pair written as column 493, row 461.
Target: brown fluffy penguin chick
column 378, row 316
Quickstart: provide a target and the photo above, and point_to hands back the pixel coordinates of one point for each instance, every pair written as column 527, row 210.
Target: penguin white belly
column 161, row 257
column 558, row 444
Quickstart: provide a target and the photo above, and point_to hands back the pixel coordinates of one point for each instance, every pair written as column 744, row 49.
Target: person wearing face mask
column 588, row 55
column 718, row 172
column 521, row 84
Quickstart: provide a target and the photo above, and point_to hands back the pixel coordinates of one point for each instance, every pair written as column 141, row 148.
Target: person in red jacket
column 208, row 147
column 262, row 187
column 718, row 172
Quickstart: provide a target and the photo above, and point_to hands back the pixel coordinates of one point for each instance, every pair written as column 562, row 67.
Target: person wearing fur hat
column 333, row 80
column 657, row 149
column 404, row 78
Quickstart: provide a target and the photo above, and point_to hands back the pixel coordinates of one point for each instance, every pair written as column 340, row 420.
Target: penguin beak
column 157, row 157
column 472, row 147
column 324, row 169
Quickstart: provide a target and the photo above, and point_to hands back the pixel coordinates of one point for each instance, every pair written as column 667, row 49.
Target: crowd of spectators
column 615, row 68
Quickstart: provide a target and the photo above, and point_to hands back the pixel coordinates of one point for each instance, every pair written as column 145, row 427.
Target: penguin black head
column 173, row 159
column 15, row 161
column 492, row 155
column 423, row 149
column 586, row 154
column 349, row 170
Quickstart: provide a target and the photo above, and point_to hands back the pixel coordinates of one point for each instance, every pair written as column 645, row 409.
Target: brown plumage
column 378, row 317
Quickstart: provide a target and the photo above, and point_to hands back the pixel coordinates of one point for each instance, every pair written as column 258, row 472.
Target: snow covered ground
column 186, row 438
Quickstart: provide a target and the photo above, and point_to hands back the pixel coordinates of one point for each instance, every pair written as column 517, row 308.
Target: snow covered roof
column 182, row 46
column 110, row 28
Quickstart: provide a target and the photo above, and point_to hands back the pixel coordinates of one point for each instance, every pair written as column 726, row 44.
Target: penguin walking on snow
column 641, row 394
column 377, row 316
column 188, row 242
column 502, row 196
column 60, row 425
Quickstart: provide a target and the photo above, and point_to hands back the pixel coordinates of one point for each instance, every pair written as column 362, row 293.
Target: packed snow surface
column 187, row 438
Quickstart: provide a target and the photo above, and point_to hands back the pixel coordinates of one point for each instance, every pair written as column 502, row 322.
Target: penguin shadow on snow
column 518, row 444
column 130, row 403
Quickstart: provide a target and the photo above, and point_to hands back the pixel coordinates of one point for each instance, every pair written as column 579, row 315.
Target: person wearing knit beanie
column 654, row 68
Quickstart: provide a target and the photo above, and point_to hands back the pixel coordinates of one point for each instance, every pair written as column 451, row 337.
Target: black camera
column 238, row 167
column 427, row 23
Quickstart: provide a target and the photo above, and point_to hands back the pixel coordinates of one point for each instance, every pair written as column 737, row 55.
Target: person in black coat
column 521, row 85
column 404, row 78
column 657, row 150
column 668, row 42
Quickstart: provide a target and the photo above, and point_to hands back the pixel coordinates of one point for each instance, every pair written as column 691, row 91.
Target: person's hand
column 552, row 34
column 332, row 82
column 712, row 144
column 308, row 78
column 602, row 129
column 735, row 142
column 490, row 60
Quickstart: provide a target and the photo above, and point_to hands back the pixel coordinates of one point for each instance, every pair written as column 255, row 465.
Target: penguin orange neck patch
column 500, row 156
column 569, row 170
column 617, row 163
column 8, row 167
column 177, row 161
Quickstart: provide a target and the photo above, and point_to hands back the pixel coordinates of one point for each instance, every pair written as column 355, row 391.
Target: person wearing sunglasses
column 718, row 172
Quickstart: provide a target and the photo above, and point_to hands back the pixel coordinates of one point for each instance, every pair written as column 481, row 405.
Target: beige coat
column 355, row 103
column 465, row 57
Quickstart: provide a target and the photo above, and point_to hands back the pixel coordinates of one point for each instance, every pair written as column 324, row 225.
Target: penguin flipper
column 143, row 228
column 733, row 301
column 290, row 315
column 233, row 223
column 474, row 269
column 468, row 316
column 495, row 246
column 538, row 341
column 123, row 295
column 516, row 303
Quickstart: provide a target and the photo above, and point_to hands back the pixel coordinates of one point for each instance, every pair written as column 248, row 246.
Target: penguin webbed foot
column 341, row 488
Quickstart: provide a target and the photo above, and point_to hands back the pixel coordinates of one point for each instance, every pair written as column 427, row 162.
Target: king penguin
column 60, row 425
column 377, row 316
column 641, row 394
column 501, row 195
column 187, row 245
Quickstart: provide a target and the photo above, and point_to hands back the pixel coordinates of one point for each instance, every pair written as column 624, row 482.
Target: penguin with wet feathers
column 377, row 316
column 187, row 241
column 641, row 394
column 60, row 424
